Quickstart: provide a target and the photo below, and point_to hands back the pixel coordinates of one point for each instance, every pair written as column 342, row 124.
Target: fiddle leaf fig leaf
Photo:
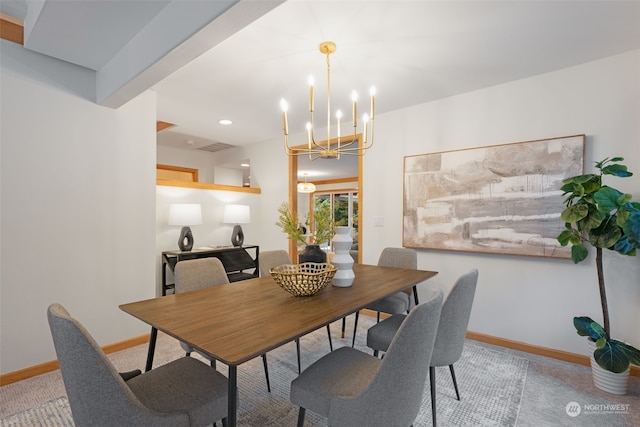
column 586, row 327
column 578, row 253
column 592, row 220
column 564, row 237
column 580, row 179
column 574, row 213
column 623, row 246
column 592, row 186
column 625, row 198
column 631, row 352
column 615, row 356
column 617, row 170
column 607, row 199
column 622, row 216
column 631, row 227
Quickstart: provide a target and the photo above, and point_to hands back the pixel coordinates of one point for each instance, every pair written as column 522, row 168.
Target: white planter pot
column 342, row 259
column 605, row 380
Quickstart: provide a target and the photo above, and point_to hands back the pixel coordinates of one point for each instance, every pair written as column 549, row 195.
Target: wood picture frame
column 500, row 199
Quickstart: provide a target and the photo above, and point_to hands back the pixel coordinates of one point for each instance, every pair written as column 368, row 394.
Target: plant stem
column 603, row 293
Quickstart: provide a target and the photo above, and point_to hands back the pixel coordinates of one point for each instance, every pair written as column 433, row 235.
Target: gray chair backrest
column 270, row 259
column 401, row 377
column 454, row 320
column 199, row 273
column 97, row 393
column 398, row 257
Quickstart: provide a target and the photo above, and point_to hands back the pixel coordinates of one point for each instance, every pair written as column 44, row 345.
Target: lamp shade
column 236, row 214
column 185, row 214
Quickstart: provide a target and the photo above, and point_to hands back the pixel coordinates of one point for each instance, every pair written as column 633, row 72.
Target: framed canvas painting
column 501, row 199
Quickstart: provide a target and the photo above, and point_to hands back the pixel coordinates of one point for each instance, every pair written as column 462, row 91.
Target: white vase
column 342, row 242
column 606, row 380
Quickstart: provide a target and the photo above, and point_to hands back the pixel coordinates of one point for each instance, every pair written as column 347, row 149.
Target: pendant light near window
column 306, row 187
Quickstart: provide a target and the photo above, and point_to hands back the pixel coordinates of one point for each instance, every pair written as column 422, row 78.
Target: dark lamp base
column 237, row 236
column 185, row 242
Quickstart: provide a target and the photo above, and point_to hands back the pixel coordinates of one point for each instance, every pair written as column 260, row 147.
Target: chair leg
column 344, row 326
column 415, row 295
column 329, row 333
column 266, row 372
column 355, row 329
column 432, row 379
column 213, row 363
column 455, row 383
column 224, row 422
column 301, row 413
column 298, row 351
column 375, row 353
column 188, row 354
column 378, row 318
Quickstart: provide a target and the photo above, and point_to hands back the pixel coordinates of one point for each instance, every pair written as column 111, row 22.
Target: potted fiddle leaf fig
column 322, row 231
column 600, row 216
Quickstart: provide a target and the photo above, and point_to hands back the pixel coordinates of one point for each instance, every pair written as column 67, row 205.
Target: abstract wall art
column 501, row 199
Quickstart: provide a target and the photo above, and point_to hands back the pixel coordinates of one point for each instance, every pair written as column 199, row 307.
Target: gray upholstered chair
column 454, row 320
column 400, row 302
column 200, row 273
column 270, row 259
column 352, row 388
column 184, row 392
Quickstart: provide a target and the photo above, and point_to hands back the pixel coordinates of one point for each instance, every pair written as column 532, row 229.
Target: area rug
column 491, row 385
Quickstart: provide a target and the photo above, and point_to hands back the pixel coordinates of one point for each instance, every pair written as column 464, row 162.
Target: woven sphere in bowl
column 304, row 279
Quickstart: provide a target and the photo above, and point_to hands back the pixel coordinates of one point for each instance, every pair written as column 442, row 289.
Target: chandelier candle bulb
column 372, row 92
column 311, row 100
column 354, row 98
column 285, row 125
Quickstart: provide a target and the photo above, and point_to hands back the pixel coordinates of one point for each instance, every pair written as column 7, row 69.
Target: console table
column 238, row 262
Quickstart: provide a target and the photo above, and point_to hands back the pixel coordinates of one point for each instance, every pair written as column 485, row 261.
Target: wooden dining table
column 236, row 322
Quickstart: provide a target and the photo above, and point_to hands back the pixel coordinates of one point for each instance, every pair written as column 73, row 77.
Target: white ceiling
column 413, row 51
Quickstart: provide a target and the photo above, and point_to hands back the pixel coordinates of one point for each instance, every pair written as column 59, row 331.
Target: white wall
column 520, row 298
column 78, row 208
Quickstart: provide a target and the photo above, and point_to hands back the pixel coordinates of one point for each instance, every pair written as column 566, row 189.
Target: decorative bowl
column 304, row 279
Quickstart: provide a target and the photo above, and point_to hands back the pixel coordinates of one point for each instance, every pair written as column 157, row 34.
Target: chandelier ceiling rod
column 331, row 150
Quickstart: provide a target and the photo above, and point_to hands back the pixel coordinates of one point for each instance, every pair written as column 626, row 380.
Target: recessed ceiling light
column 245, row 165
column 225, row 121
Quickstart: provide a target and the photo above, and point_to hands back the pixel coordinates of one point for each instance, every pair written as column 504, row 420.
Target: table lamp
column 236, row 214
column 185, row 214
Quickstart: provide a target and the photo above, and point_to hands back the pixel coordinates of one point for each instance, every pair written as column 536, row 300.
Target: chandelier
column 331, row 149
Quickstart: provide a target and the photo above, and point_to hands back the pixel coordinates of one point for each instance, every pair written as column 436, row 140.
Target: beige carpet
column 491, row 385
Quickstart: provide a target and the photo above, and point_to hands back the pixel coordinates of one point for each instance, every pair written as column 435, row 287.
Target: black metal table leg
column 232, row 406
column 152, row 349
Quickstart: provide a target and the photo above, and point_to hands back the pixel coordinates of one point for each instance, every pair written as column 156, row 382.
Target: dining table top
column 236, row 322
